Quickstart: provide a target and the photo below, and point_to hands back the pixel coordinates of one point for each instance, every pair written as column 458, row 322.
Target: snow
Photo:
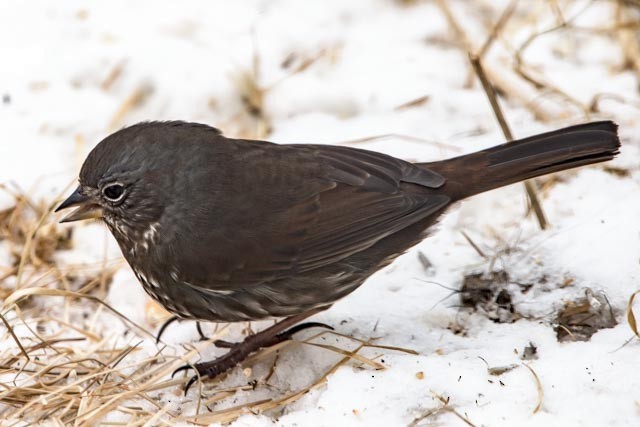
column 379, row 54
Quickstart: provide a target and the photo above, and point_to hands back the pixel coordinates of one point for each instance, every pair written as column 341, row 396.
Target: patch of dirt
column 579, row 319
column 489, row 293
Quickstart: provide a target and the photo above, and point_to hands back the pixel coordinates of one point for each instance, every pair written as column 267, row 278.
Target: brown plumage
column 227, row 230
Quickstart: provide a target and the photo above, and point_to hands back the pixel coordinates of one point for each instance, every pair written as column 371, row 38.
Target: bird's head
column 129, row 178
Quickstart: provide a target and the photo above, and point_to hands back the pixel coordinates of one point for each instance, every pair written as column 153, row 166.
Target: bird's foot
column 241, row 350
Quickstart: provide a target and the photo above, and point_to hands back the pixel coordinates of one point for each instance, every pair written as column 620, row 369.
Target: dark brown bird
column 228, row 230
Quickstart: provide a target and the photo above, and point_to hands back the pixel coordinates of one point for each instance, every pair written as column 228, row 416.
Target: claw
column 224, row 344
column 181, row 368
column 172, row 319
column 301, row 327
column 203, row 337
column 164, row 326
column 192, row 380
column 190, row 383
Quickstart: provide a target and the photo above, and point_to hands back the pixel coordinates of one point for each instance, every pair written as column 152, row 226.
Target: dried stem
column 493, row 99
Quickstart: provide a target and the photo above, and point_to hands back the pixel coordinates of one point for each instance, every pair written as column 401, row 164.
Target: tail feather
column 528, row 158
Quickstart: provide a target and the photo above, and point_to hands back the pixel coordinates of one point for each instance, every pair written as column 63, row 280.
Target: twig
column 527, row 76
column 538, row 387
column 493, row 99
column 491, row 94
column 26, row 250
column 445, row 405
column 628, row 38
column 502, row 21
column 473, row 245
column 15, row 338
column 631, row 318
column 113, row 75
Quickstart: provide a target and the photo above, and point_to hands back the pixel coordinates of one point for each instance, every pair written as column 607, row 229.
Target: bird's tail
column 528, row 158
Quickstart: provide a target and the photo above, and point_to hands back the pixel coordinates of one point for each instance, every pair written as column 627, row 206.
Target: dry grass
column 253, row 120
column 631, row 317
column 66, row 371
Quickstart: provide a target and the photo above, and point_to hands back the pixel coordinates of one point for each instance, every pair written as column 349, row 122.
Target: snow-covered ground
column 68, row 68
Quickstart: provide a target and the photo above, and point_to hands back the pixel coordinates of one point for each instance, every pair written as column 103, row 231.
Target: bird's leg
column 238, row 352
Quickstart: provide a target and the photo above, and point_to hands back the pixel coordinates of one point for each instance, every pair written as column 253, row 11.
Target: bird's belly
column 279, row 298
column 162, row 294
column 268, row 300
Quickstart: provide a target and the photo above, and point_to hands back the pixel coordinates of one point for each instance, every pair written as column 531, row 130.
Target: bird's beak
column 87, row 208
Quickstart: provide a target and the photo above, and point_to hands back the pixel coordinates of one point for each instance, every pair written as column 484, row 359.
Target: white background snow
column 378, row 55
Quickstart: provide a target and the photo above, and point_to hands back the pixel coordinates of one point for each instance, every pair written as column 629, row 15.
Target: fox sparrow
column 229, row 230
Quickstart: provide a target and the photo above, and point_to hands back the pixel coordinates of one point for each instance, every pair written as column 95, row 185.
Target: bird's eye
column 113, row 192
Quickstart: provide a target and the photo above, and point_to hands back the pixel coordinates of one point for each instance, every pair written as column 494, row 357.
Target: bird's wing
column 368, row 203
column 308, row 206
